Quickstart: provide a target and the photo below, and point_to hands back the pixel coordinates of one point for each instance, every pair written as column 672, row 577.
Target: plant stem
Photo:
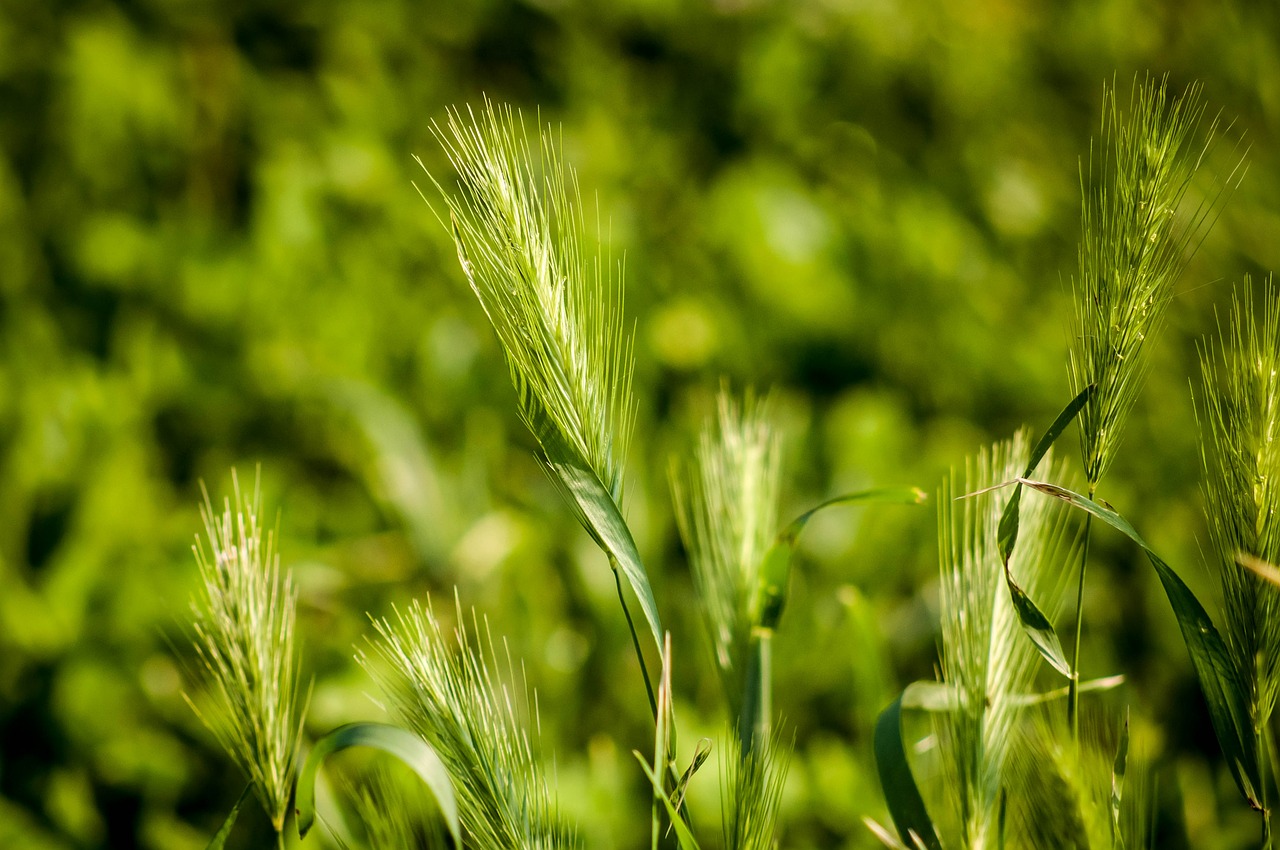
column 635, row 638
column 757, row 693
column 1073, row 692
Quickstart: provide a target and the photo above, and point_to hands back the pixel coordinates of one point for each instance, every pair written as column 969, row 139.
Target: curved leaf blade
column 416, row 753
column 1033, row 621
column 602, row 518
column 1007, row 534
column 770, row 594
column 906, row 806
column 1037, row 626
column 1219, row 680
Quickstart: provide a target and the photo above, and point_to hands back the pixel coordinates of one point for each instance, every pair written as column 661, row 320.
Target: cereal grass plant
column 244, row 619
column 445, row 685
column 1240, row 435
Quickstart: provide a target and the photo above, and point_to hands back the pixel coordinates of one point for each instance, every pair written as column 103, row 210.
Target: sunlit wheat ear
column 727, row 509
column 985, row 654
column 553, row 296
column 1139, row 230
column 751, row 787
column 1240, row 437
column 244, row 634
column 443, row 686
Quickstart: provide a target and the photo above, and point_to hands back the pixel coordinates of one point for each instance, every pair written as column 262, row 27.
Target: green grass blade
column 1033, row 621
column 603, row 519
column 401, row 743
column 1008, row 533
column 224, row 832
column 770, row 595
column 906, row 806
column 1219, row 679
column 1037, row 626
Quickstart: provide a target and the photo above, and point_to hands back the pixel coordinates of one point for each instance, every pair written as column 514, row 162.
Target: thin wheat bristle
column 244, row 635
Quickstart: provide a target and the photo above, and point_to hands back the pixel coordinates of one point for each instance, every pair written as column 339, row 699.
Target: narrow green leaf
column 401, row 743
column 1007, row 534
column 770, row 594
column 603, row 520
column 1117, row 783
column 683, row 833
column 1037, row 626
column 700, row 756
column 1032, row 619
column 906, row 806
column 224, row 832
column 1219, row 680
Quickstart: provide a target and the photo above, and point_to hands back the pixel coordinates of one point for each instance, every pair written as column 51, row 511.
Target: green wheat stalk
column 986, row 657
column 726, row 503
column 1239, row 421
column 1138, row 233
column 444, row 688
column 244, row 620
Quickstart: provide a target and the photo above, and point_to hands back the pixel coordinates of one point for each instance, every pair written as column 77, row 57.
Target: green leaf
column 770, row 594
column 224, row 832
column 603, row 520
column 1033, row 621
column 1007, row 534
column 401, row 743
column 1037, row 626
column 906, row 806
column 1220, row 682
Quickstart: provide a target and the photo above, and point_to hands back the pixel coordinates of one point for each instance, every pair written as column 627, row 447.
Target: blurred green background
column 212, row 256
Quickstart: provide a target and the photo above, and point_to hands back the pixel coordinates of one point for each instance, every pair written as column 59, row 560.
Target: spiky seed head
column 1239, row 420
column 751, row 786
column 444, row 687
column 1137, row 236
column 985, row 654
column 553, row 296
column 244, row 619
column 726, row 502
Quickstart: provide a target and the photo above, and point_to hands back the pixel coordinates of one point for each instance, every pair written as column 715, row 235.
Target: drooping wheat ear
column 751, row 784
column 244, row 634
column 1240, row 444
column 555, row 303
column 444, row 688
column 727, row 510
column 1138, row 235
column 985, row 656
